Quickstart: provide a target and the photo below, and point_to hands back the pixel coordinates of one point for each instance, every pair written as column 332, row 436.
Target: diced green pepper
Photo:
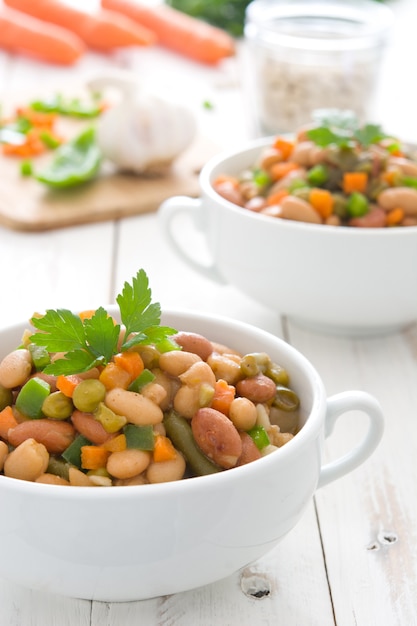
column 49, row 140
column 261, row 178
column 140, row 437
column 357, row 204
column 143, row 379
column 40, row 356
column 73, row 453
column 32, row 396
column 75, row 162
column 259, row 436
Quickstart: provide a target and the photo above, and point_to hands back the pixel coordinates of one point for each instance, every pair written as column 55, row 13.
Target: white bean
column 15, row 368
column 136, row 408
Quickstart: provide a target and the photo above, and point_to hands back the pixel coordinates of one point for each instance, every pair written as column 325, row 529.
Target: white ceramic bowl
column 130, row 543
column 335, row 279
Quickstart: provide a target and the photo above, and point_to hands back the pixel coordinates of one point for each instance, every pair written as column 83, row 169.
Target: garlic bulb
column 144, row 131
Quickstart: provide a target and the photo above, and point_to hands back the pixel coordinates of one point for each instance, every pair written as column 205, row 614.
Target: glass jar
column 303, row 55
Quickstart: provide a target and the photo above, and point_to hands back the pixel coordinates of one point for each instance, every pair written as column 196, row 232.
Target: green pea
column 57, row 406
column 357, row 204
column 318, row 175
column 6, row 397
column 88, row 394
column 254, row 363
column 286, row 399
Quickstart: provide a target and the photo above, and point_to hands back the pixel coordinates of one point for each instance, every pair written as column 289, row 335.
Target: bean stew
column 332, row 172
column 135, row 403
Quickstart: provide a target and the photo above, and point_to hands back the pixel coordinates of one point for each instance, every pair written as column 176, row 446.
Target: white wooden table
column 352, row 560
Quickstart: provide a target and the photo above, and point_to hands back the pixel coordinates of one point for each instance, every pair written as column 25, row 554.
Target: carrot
column 114, row 376
column 224, row 395
column 131, row 362
column 279, row 170
column 394, row 217
column 102, row 31
column 322, row 201
column 93, row 457
column 163, row 449
column 355, row 181
column 87, row 314
column 67, row 384
column 182, row 33
column 284, row 146
column 24, row 34
column 116, row 444
column 7, row 421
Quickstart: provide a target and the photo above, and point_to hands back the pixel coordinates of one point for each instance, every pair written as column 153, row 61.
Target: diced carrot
column 276, row 197
column 113, row 376
column 322, row 201
column 93, row 457
column 395, row 216
column 37, row 118
column 284, row 146
column 7, row 421
column 355, row 181
column 279, row 170
column 224, row 395
column 390, row 177
column 115, row 444
column 131, row 362
column 67, row 384
column 163, row 449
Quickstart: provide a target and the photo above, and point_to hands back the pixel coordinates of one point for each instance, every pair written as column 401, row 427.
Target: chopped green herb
column 94, row 341
column 73, row 107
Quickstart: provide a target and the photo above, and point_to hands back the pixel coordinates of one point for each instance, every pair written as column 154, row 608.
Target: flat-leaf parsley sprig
column 93, row 341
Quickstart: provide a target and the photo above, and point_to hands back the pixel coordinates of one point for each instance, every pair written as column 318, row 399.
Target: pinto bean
column 195, row 343
column 28, row 461
column 269, row 157
column 15, row 368
column 216, row 436
column 257, row 388
column 250, row 452
column 227, row 190
column 91, row 428
column 54, row 435
column 375, row 218
column 404, row 197
column 293, row 208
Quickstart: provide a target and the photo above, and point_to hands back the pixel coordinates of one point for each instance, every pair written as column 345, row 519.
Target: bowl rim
column 255, row 145
column 312, row 428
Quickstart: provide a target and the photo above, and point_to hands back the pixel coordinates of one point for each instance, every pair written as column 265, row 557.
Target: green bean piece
column 6, row 397
column 88, row 394
column 278, row 374
column 179, row 431
column 57, row 406
column 254, row 363
column 340, row 205
column 58, row 467
column 286, row 399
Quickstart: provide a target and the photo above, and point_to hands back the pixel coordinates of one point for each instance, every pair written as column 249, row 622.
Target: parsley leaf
column 94, row 341
column 370, row 133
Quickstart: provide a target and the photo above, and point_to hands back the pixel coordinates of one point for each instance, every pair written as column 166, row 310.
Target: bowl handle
column 336, row 406
column 191, row 208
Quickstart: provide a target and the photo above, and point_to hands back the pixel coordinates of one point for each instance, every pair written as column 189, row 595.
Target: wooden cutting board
column 27, row 205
